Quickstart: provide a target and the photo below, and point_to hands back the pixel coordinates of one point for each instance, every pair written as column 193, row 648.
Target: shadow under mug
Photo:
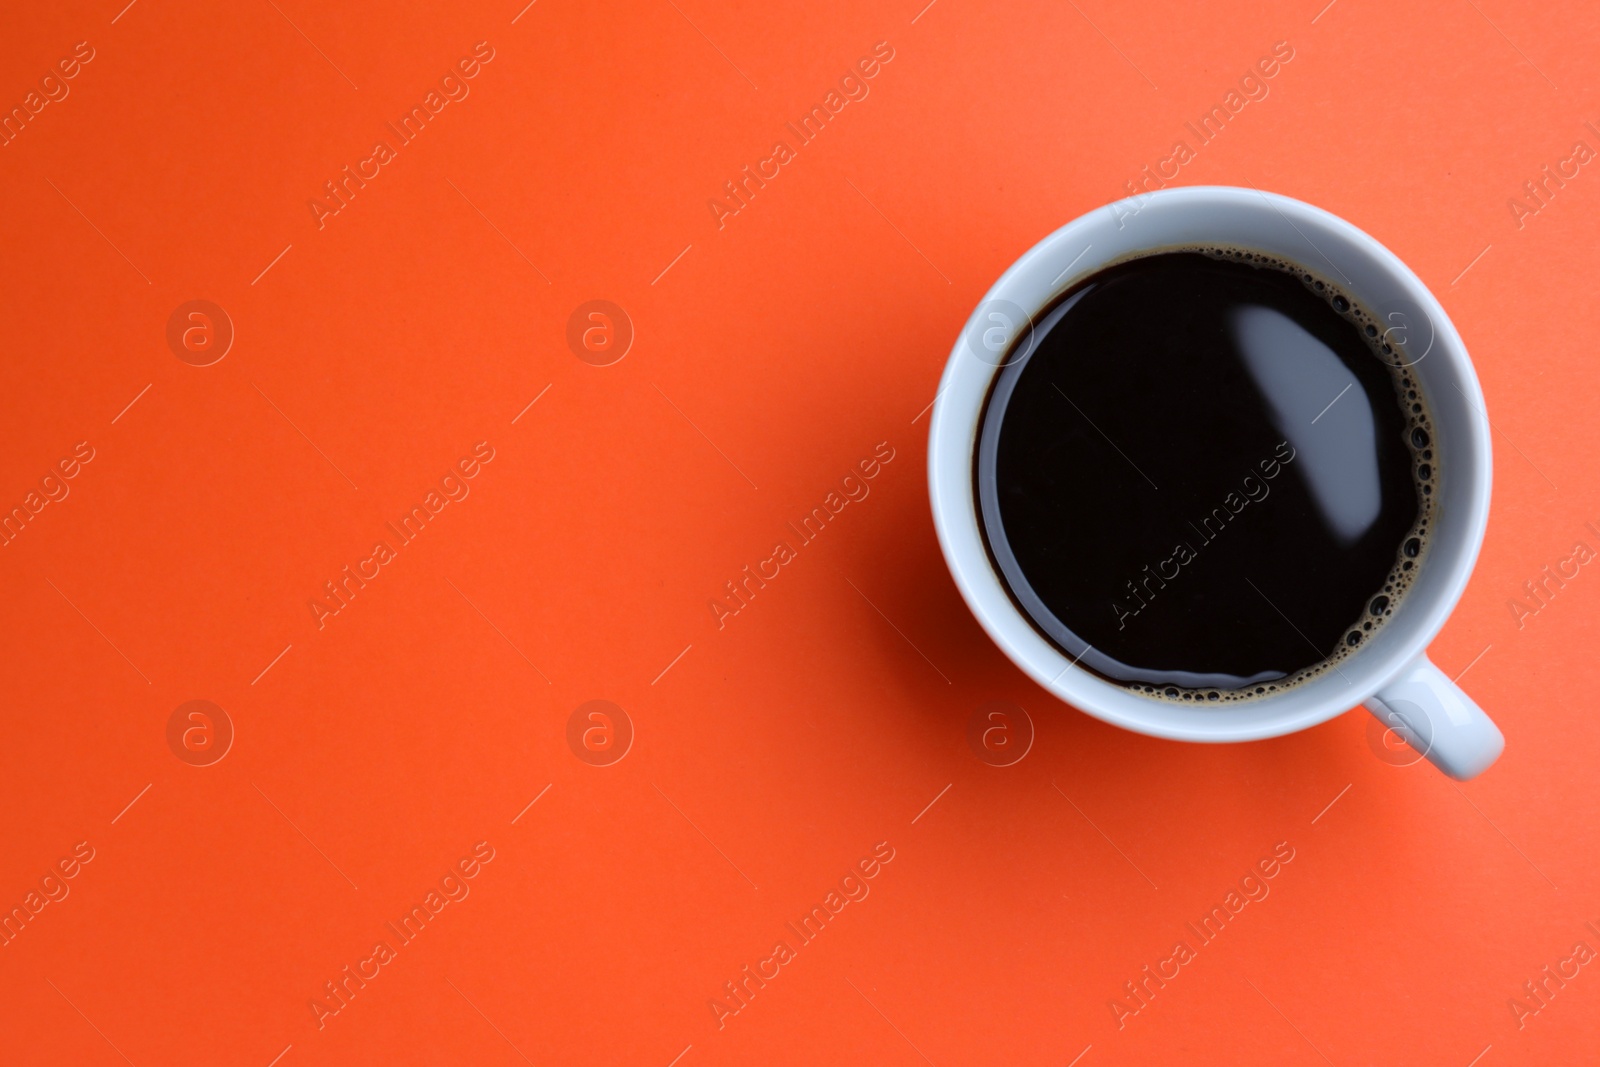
column 1390, row 674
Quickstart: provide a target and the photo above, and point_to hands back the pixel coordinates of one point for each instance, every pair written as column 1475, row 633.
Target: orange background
column 770, row 357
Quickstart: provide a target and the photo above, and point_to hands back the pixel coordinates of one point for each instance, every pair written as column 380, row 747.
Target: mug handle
column 1433, row 716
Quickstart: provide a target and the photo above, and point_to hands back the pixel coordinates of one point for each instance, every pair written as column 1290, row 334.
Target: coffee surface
column 1199, row 477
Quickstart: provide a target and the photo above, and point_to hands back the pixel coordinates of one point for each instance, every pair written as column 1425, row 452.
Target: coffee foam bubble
column 1419, row 435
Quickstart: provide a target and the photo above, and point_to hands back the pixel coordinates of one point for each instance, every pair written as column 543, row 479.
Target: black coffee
column 1206, row 474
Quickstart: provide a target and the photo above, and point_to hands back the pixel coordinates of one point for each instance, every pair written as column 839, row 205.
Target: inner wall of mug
column 1373, row 277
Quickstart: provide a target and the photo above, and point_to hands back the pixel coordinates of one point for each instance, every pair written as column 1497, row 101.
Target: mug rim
column 953, row 433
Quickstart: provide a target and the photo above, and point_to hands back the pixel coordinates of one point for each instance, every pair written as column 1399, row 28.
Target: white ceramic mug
column 1391, row 674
